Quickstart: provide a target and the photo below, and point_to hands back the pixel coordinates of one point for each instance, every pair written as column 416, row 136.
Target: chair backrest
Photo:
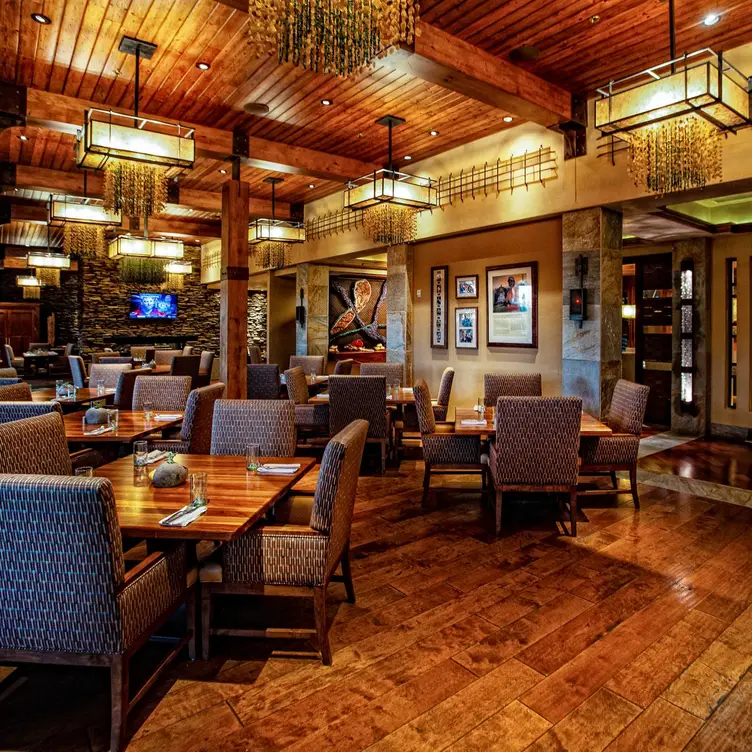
column 199, row 413
column 107, row 372
column 8, row 356
column 358, row 397
column 254, row 355
column 309, row 363
column 445, row 387
column 68, row 349
column 423, row 407
column 207, row 362
column 78, row 370
column 125, row 385
column 344, row 367
column 336, row 488
column 4, row 381
column 115, row 360
column 537, row 440
column 39, row 345
column 238, row 423
column 32, row 440
column 297, row 386
column 390, row 371
column 187, row 350
column 62, row 541
column 497, row 385
column 8, row 373
column 628, row 404
column 262, row 382
column 18, row 392
column 186, row 365
column 163, row 392
column 164, row 357
column 143, row 353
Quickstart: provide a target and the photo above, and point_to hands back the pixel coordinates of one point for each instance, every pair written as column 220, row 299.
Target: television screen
column 153, row 305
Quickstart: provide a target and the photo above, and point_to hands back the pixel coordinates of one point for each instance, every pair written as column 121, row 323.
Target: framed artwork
column 512, row 300
column 439, row 307
column 466, row 328
column 466, row 287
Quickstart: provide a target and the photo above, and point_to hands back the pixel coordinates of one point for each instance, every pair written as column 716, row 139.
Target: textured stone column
column 399, row 308
column 312, row 337
column 693, row 421
column 591, row 355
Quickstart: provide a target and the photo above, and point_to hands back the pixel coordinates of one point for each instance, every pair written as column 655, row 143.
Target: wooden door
column 19, row 325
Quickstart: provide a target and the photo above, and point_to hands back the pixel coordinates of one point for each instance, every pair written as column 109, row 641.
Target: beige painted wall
column 471, row 254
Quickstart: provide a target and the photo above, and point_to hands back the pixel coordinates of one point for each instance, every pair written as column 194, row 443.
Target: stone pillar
column 591, row 355
column 399, row 309
column 692, row 421
column 312, row 336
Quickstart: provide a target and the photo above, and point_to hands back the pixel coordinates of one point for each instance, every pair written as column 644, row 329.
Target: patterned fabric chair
column 443, row 450
column 78, row 371
column 298, row 553
column 541, row 454
column 4, row 381
column 263, row 382
column 315, row 363
column 125, row 385
column 65, row 597
column 18, row 392
column 361, row 398
column 441, row 403
column 306, row 416
column 196, row 432
column 497, row 385
column 164, row 392
column 238, row 423
column 188, row 350
column 618, row 451
column 10, row 360
column 109, row 373
column 205, row 368
column 145, row 354
column 8, row 373
column 115, row 359
column 186, row 365
column 390, row 371
column 344, row 367
column 164, row 357
column 254, row 355
column 39, row 346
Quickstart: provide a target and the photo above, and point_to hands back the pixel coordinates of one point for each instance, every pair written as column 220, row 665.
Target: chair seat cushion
column 312, row 416
column 609, row 450
column 294, row 510
column 451, row 449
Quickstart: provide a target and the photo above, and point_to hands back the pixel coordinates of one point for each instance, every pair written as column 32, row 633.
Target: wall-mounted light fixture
column 578, row 295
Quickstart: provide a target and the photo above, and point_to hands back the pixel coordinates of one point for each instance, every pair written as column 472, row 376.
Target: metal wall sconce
column 578, row 295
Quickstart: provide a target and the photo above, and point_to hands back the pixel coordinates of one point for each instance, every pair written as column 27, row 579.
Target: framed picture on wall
column 466, row 328
column 466, row 287
column 512, row 302
column 439, row 307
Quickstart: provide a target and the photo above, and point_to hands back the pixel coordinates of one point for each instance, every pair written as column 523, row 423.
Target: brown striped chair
column 441, row 403
column 109, row 373
column 115, row 359
column 238, row 423
column 392, row 372
column 344, row 367
column 497, row 385
column 262, row 382
column 307, row 417
column 8, row 373
column 205, row 368
column 18, row 392
column 187, row 350
column 168, row 393
column 254, row 355
column 186, row 365
column 297, row 554
column 164, row 357
column 66, row 596
column 609, row 454
column 309, row 363
column 125, row 385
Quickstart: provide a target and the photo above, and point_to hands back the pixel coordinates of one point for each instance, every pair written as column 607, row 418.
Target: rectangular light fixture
column 125, row 246
column 277, row 230
column 178, row 267
column 28, row 281
column 390, row 186
column 628, row 311
column 66, row 209
column 48, row 260
column 113, row 135
column 701, row 82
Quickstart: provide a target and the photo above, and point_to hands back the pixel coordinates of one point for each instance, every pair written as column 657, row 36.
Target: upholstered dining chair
column 163, row 392
column 262, row 382
column 125, row 385
column 164, row 357
column 309, row 363
column 67, row 598
column 8, row 373
column 361, row 397
column 443, row 450
column 10, row 360
column 187, row 350
column 497, row 385
column 43, row 346
column 390, row 371
column 109, row 373
column 308, row 417
column 115, row 359
column 78, row 371
column 196, row 431
column 297, row 554
column 608, row 454
column 344, row 367
column 144, row 353
column 238, row 423
column 540, row 451
column 254, row 355
column 441, row 403
column 186, row 365
column 7, row 380
column 18, row 392
column 205, row 368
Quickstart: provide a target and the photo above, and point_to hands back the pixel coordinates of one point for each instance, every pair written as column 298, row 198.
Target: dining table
column 589, row 426
column 132, row 426
column 83, row 396
column 237, row 497
column 395, row 397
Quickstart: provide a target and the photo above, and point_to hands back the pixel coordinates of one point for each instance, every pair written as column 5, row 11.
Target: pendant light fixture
column 83, row 223
column 31, row 286
column 48, row 263
column 271, row 239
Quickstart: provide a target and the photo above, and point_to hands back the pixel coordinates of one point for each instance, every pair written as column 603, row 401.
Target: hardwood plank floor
column 637, row 635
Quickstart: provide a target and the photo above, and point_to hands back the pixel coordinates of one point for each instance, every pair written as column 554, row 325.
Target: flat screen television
column 153, row 305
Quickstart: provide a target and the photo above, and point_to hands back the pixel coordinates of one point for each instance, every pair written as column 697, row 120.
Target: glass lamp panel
column 405, row 190
column 176, row 267
column 48, row 261
column 28, row 282
column 88, row 213
column 284, row 232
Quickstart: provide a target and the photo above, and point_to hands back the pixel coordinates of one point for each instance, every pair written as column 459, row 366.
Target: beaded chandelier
column 390, row 225
column 134, row 189
column 330, row 36
column 271, row 239
column 84, row 241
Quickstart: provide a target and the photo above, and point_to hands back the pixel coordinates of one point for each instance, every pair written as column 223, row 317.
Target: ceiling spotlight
column 407, row 157
column 223, row 172
column 326, row 102
column 311, row 185
column 507, row 118
column 41, row 18
column 433, row 133
column 203, row 66
column 711, row 19
column 23, row 138
column 594, row 20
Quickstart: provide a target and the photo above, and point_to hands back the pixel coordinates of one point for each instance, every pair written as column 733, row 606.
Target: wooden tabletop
column 82, row 396
column 404, row 397
column 132, row 427
column 589, row 426
column 237, row 498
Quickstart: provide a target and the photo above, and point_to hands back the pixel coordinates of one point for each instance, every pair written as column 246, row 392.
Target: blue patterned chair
column 619, row 451
column 298, row 553
column 307, row 417
column 78, row 371
column 165, row 393
column 536, row 445
column 263, row 382
column 497, row 385
column 17, row 392
column 65, row 597
column 238, row 423
column 315, row 363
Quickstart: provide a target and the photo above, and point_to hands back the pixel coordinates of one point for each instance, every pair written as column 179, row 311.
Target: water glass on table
column 148, row 409
column 100, row 387
column 198, row 488
column 140, row 453
column 252, row 452
column 85, row 472
column 113, row 419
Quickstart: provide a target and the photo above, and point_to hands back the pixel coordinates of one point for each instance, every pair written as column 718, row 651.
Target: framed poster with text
column 512, row 302
column 439, row 307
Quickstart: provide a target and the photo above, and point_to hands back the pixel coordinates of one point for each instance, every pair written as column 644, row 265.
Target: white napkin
column 99, row 431
column 473, row 422
column 167, row 416
column 323, row 395
column 409, row 389
column 278, row 469
column 154, row 456
column 183, row 520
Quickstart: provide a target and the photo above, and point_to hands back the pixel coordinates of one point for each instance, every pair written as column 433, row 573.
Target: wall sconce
column 578, row 296
column 300, row 309
column 629, row 311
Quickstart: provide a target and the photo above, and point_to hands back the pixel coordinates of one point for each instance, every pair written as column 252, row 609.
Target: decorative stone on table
column 169, row 474
column 95, row 416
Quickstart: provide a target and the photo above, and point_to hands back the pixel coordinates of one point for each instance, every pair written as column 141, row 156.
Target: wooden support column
column 233, row 307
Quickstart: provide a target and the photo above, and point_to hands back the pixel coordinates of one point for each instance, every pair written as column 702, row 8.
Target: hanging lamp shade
column 129, row 246
column 69, row 209
column 46, row 260
column 31, row 286
column 270, row 239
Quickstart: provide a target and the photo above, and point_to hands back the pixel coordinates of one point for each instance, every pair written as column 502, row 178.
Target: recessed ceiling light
column 408, row 157
column 311, row 185
column 507, row 118
column 41, row 18
column 326, row 102
column 433, row 133
column 711, row 19
column 223, row 172
column 203, row 66
column 23, row 138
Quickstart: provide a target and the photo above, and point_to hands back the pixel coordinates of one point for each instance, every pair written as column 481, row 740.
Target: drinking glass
column 148, row 410
column 252, row 452
column 60, row 388
column 140, row 453
column 113, row 418
column 85, row 472
column 100, row 387
column 396, row 389
column 479, row 407
column 312, row 377
column 198, row 487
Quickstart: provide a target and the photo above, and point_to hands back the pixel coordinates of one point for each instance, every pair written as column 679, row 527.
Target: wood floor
column 635, row 636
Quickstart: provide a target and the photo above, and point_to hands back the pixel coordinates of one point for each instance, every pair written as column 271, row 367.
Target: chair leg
column 573, row 511
column 347, row 574
column 614, row 479
column 426, row 484
column 383, row 456
column 497, row 510
column 190, row 622
column 633, row 485
column 205, row 621
column 119, row 701
column 319, row 608
column 483, row 479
